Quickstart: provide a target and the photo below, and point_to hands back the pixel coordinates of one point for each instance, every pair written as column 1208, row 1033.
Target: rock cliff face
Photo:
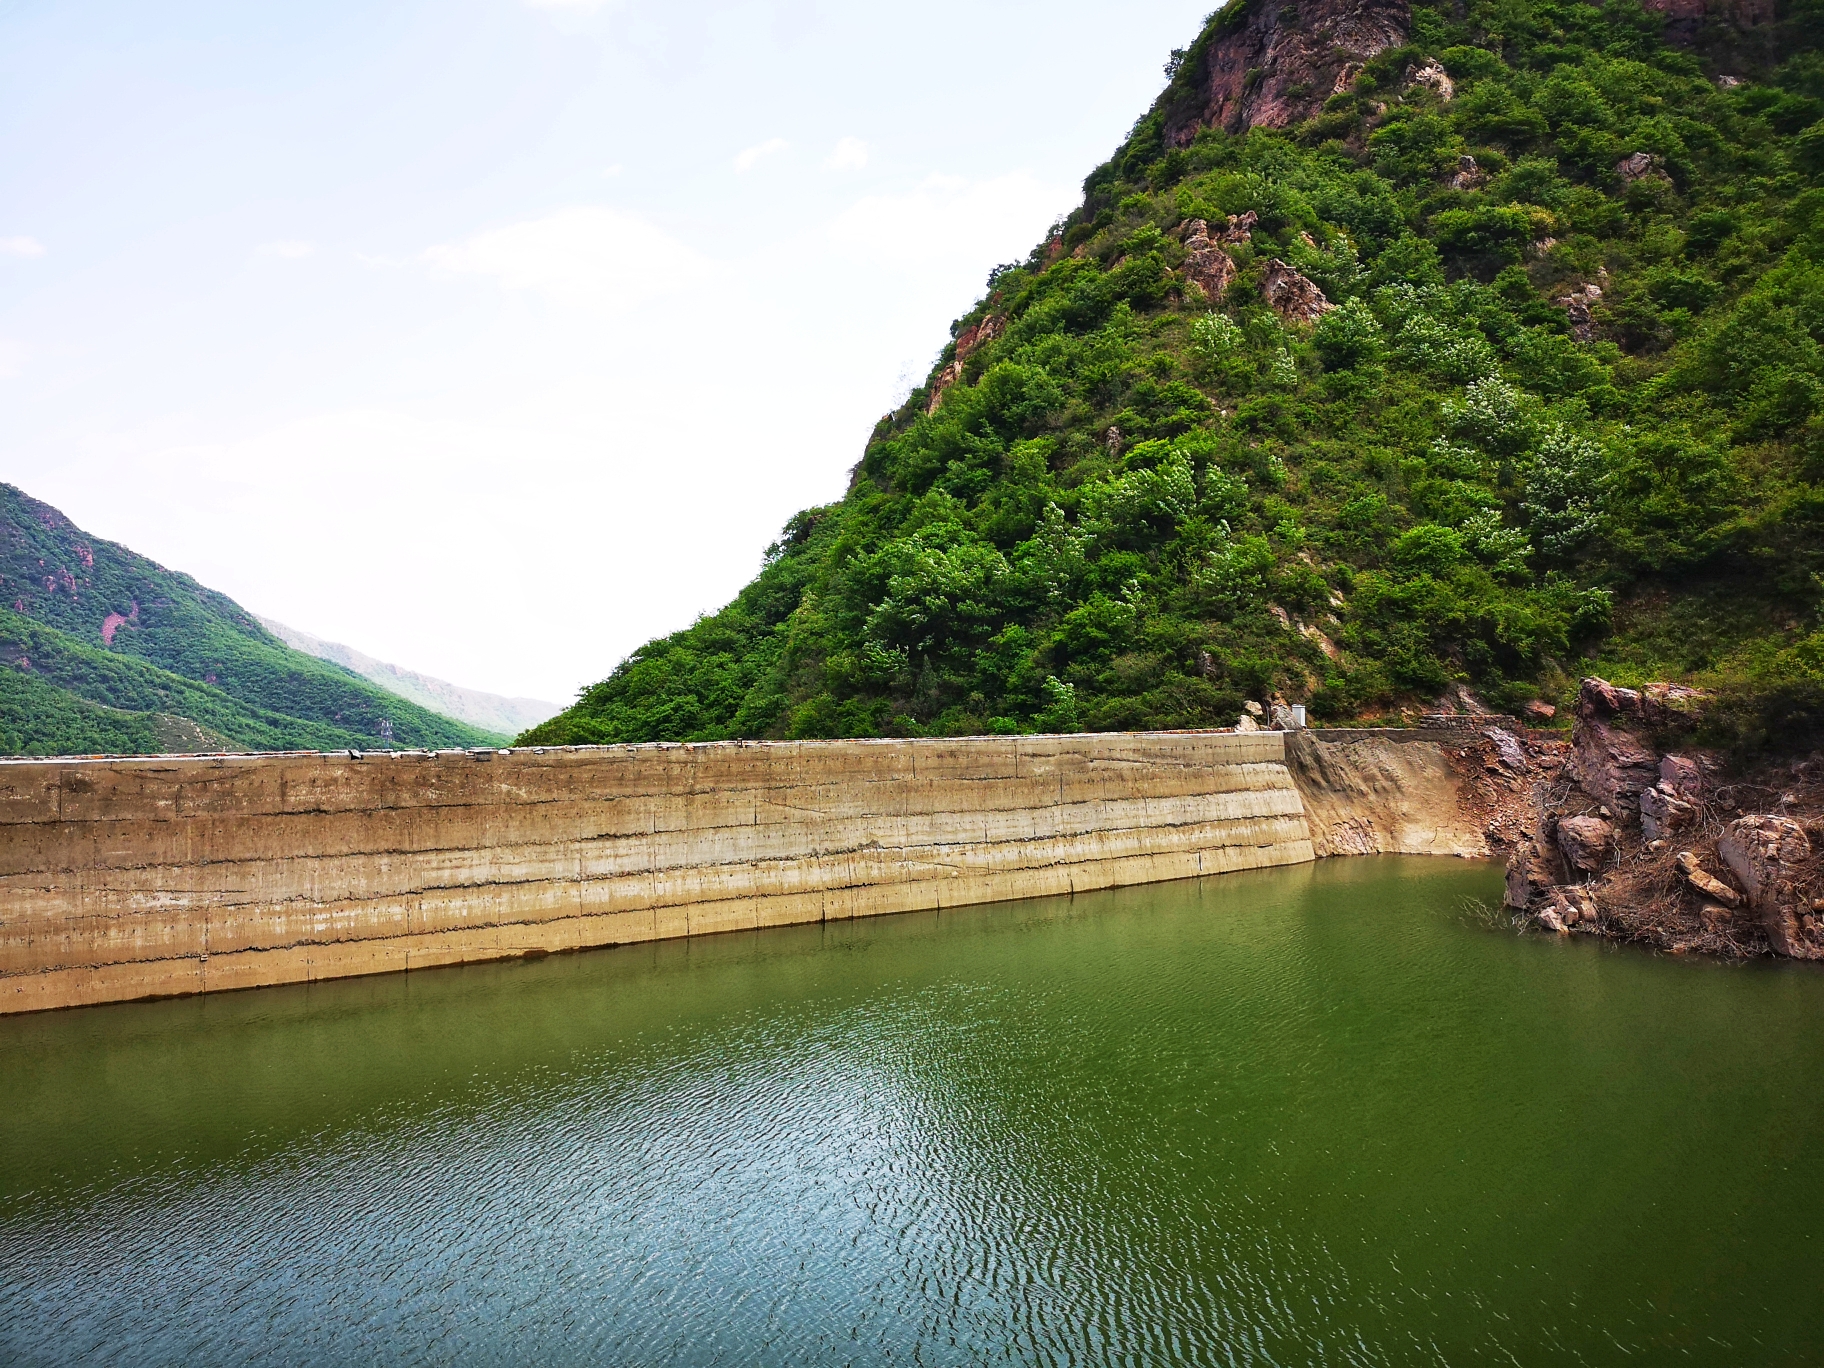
column 1685, row 18
column 1630, row 840
column 1271, row 65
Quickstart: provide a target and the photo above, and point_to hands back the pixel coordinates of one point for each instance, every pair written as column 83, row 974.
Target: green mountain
column 101, row 650
column 1473, row 344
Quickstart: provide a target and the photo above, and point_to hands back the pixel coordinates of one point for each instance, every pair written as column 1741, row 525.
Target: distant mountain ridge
column 103, row 650
column 490, row 712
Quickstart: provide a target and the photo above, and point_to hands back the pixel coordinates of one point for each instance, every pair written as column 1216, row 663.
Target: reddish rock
column 1584, row 909
column 1274, row 65
column 1681, row 775
column 1705, row 882
column 1585, row 842
column 1662, row 812
column 1294, row 298
column 1764, row 853
column 975, row 336
column 1539, row 712
column 1612, row 764
column 1205, row 264
column 1240, row 229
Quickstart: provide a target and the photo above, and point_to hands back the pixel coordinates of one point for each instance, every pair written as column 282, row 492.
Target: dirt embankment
column 1394, row 793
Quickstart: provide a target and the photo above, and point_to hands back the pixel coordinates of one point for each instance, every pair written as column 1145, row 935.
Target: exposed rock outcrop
column 1736, row 883
column 1206, row 265
column 971, row 338
column 1292, row 296
column 1685, row 19
column 1671, row 804
column 1768, row 856
column 1240, row 228
column 1272, row 65
column 1585, row 842
column 1576, row 306
column 1638, row 166
column 1611, row 762
column 1433, row 76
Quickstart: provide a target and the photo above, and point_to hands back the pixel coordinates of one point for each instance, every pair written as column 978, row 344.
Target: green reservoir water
column 1314, row 1116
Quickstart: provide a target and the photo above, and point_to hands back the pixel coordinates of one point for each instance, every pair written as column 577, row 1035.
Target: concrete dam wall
column 131, row 878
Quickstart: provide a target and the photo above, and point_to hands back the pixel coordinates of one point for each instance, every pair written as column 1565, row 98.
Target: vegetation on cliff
column 101, row 650
column 1503, row 363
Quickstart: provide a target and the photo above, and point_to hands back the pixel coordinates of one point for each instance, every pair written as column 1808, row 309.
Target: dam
column 131, row 878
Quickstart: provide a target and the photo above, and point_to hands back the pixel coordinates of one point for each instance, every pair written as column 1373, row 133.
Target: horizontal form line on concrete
column 127, row 878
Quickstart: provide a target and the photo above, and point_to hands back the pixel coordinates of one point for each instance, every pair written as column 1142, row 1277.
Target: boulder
column 1294, row 298
column 1551, row 921
column 1519, row 888
column 1585, row 842
column 1508, row 747
column 1663, row 811
column 1533, row 871
column 1246, row 723
column 1765, row 853
column 1239, row 229
column 1636, row 166
column 1433, row 75
column 1680, row 776
column 1575, row 906
column 1469, row 176
column 1704, row 882
column 1206, row 265
column 1715, row 917
column 1539, row 712
column 1612, row 764
column 1576, row 306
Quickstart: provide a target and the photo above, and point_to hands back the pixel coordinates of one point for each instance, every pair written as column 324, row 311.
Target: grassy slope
column 1439, row 479
column 178, row 648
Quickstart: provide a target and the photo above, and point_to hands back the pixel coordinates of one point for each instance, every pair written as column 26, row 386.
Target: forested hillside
column 1396, row 350
column 103, row 650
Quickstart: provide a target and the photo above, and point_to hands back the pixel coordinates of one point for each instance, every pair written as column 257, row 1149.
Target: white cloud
column 612, row 171
column 749, row 159
column 595, row 255
column 290, row 250
column 581, row 6
column 851, row 154
column 12, row 358
column 21, row 247
column 948, row 221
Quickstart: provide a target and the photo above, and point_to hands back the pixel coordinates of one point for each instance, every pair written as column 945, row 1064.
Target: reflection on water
column 1306, row 1116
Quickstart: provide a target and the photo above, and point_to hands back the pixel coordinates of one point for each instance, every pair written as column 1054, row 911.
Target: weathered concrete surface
column 132, row 878
column 1375, row 794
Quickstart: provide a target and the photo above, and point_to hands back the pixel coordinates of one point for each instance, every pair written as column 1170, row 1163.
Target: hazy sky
column 495, row 337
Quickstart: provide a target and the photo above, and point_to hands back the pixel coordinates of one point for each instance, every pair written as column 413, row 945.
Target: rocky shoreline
column 1631, row 831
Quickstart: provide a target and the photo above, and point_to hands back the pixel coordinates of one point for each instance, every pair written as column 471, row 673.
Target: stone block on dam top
column 130, row 878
